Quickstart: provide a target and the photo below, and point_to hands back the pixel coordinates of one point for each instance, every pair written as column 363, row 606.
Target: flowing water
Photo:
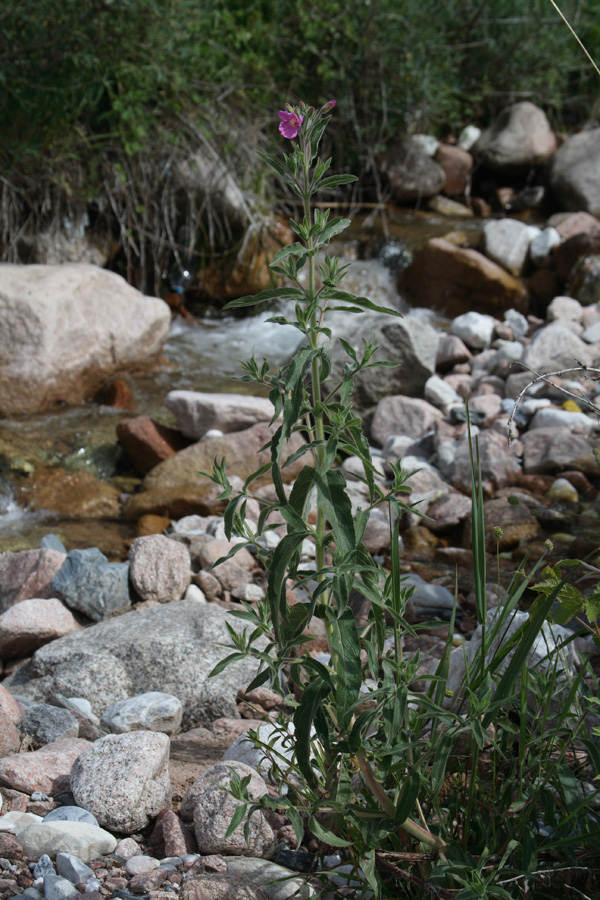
column 199, row 356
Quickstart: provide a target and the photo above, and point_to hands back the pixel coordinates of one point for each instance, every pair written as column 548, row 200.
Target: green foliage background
column 77, row 75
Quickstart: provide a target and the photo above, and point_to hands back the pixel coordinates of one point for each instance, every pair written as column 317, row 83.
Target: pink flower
column 328, row 106
column 290, row 123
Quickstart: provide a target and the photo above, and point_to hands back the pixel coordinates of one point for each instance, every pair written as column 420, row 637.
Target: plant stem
column 416, row 831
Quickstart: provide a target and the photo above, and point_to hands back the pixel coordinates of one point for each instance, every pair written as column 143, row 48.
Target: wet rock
column 519, row 138
column 410, row 172
column 197, row 412
column 37, row 770
column 72, row 493
column 31, row 624
column 147, row 442
column 457, row 279
column 89, row 583
column 153, row 711
column 45, row 724
column 123, row 779
column 574, row 176
column 213, row 809
column 117, row 659
column 48, row 356
column 160, row 569
column 27, row 574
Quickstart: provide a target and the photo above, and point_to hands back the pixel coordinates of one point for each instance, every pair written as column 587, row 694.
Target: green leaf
column 362, row 302
column 325, row 835
column 312, row 699
column 334, row 180
column 345, row 645
column 222, row 664
column 336, row 226
column 266, row 297
column 287, row 251
column 295, row 622
column 335, row 503
column 237, row 818
column 278, row 573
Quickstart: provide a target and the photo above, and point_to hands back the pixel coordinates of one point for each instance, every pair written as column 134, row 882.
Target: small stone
column 562, row 491
column 10, row 847
column 127, row 848
column 43, row 867
column 160, row 568
column 153, row 711
column 141, row 865
column 57, row 888
column 45, row 723
column 72, row 868
column 71, row 814
column 82, row 840
column 148, row 881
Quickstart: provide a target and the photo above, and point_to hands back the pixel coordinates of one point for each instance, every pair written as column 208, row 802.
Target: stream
column 204, row 356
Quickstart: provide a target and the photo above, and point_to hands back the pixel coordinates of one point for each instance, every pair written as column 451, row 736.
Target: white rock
column 550, row 417
column 468, row 137
column 14, row 821
column 542, row 244
column 517, row 321
column 82, row 840
column 566, row 309
column 427, row 142
column 152, row 711
column 440, row 393
column 475, row 329
column 506, row 242
column 195, row 593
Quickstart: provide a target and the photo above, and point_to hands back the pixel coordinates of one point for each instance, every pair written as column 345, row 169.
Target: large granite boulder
column 520, row 137
column 65, row 329
column 575, row 173
column 117, row 659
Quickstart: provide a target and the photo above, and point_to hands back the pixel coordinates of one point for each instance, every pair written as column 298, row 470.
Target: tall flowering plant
column 337, row 736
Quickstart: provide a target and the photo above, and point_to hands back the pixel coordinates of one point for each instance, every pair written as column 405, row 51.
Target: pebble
column 58, row 888
column 73, row 868
column 141, row 865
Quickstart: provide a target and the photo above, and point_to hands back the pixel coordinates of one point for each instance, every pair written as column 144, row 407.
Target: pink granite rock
column 27, row 574
column 10, row 706
column 37, row 770
column 31, row 623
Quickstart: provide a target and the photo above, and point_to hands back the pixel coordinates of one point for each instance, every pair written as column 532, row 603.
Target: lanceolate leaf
column 312, row 698
column 346, row 646
column 362, row 302
column 266, row 297
column 333, row 181
column 287, row 251
column 335, row 503
column 282, row 556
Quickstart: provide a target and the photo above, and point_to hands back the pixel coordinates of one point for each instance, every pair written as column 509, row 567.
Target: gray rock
column 160, row 568
column 278, row 739
column 411, row 173
column 410, row 342
column 45, row 723
column 584, row 283
column 152, row 711
column 574, row 175
column 213, row 810
column 117, row 659
column 72, row 868
column 71, row 814
column 499, row 465
column 277, row 882
column 542, row 244
column 197, row 412
column 520, row 137
column 31, row 623
column 124, row 779
column 550, row 450
column 89, row 583
column 52, row 542
column 556, row 347
column 43, row 867
column 551, row 417
column 565, row 308
column 439, row 392
column 399, row 415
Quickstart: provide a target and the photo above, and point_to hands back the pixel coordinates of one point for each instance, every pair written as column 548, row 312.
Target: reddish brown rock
column 10, row 706
column 118, row 394
column 72, row 493
column 456, row 164
column 37, row 770
column 582, row 244
column 178, row 838
column 458, row 280
column 148, row 881
column 147, row 442
column 14, row 801
column 570, row 223
column 10, row 736
column 27, row 574
column 151, row 524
